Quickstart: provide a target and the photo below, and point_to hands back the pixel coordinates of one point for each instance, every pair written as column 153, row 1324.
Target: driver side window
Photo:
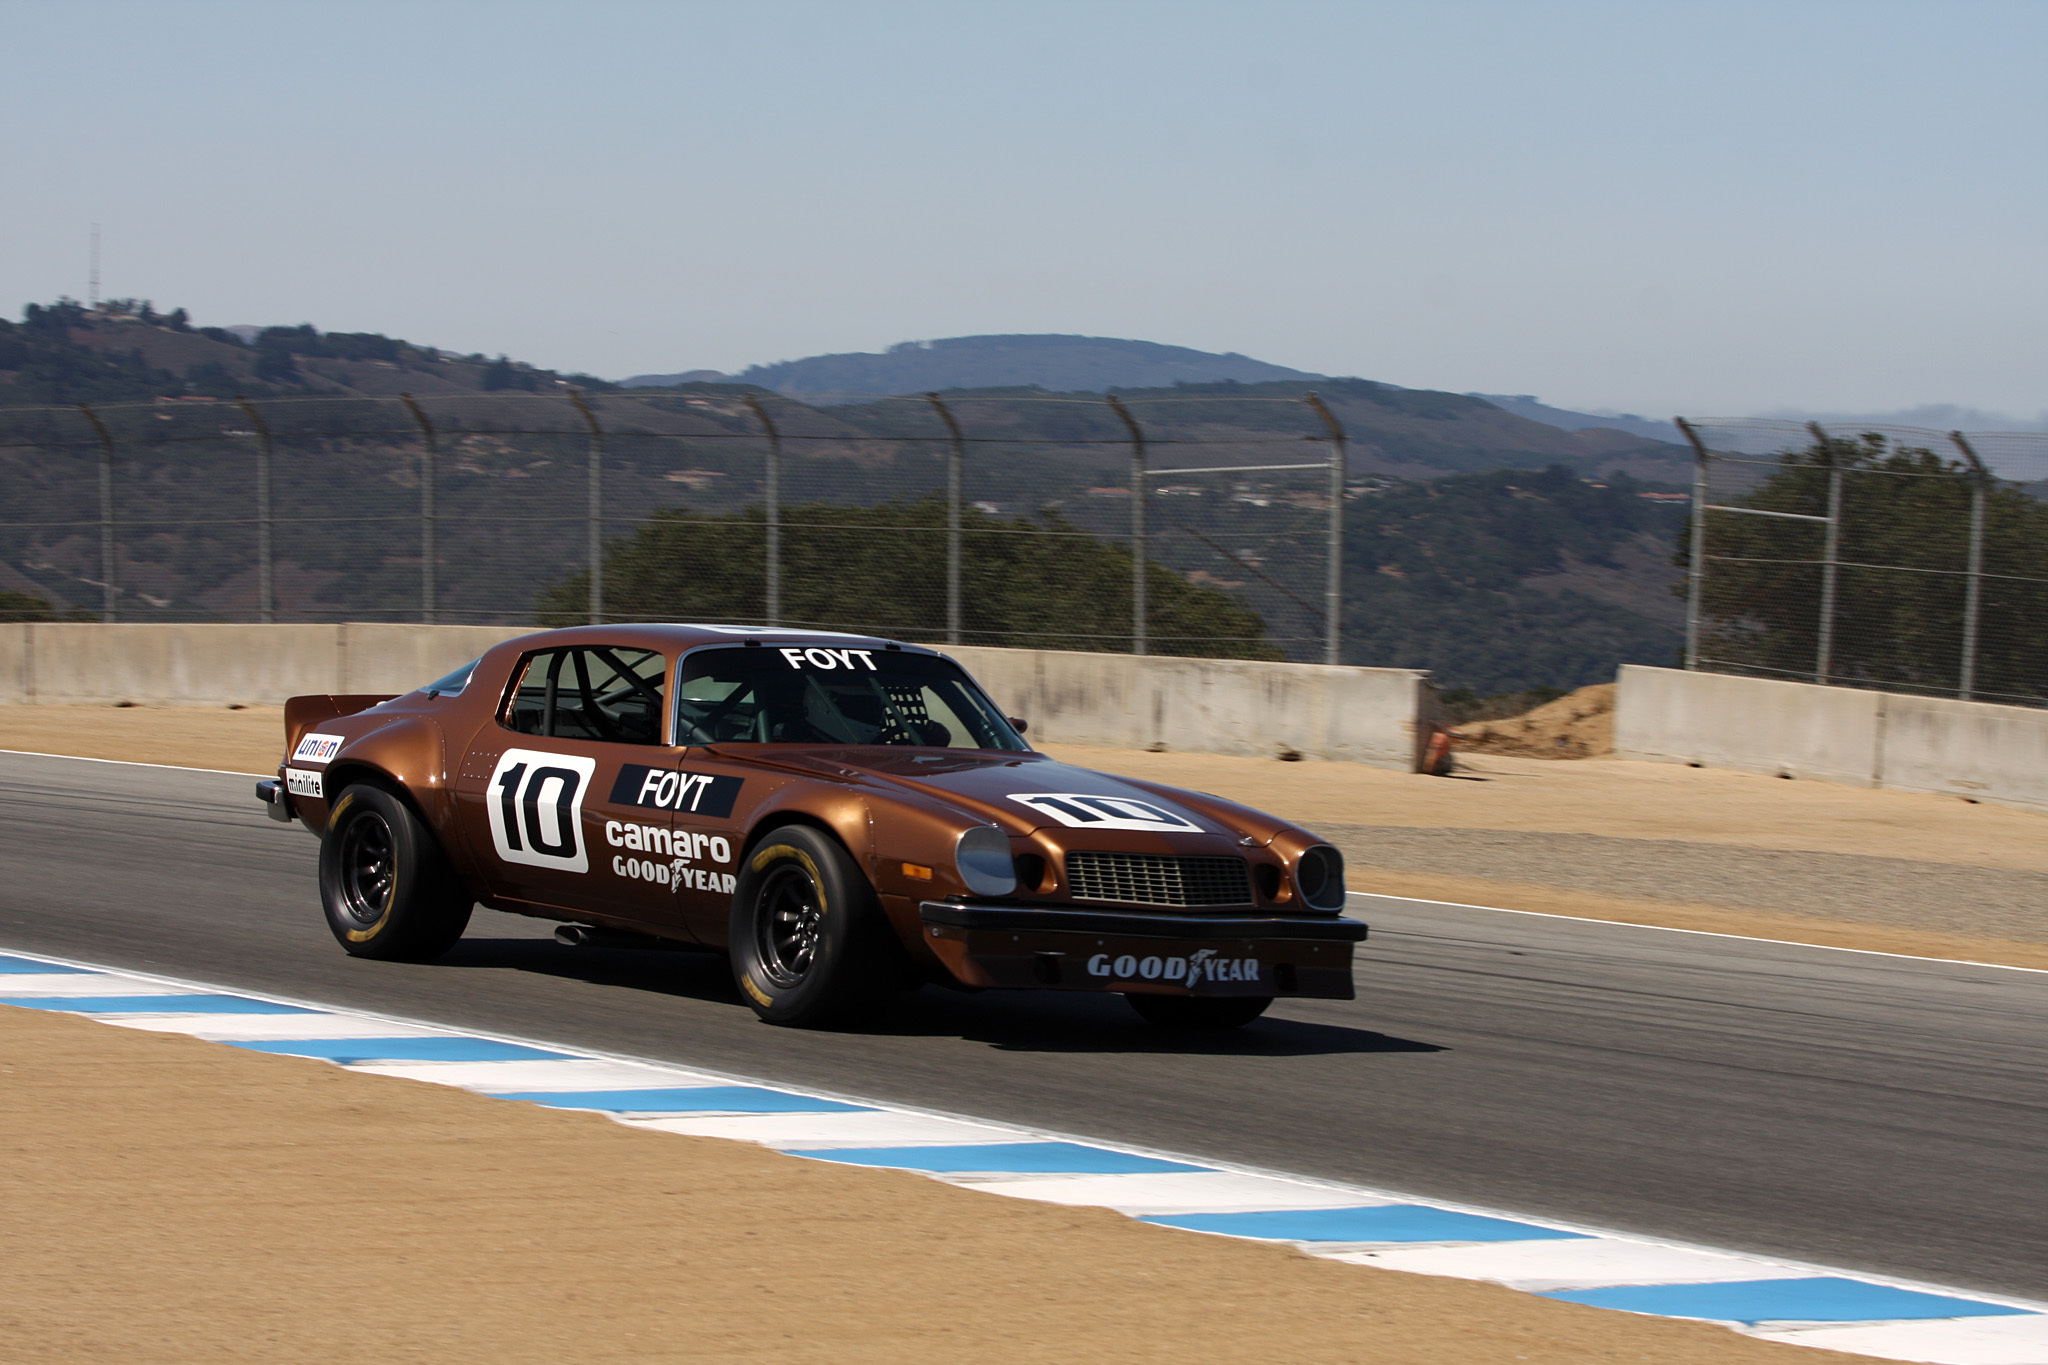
column 599, row 692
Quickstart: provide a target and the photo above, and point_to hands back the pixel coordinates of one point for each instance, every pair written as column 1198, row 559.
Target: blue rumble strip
column 154, row 1004
column 1823, row 1298
column 24, row 967
column 1378, row 1223
column 1755, row 1295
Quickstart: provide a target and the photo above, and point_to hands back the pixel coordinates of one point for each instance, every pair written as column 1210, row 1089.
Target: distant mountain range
column 1045, row 361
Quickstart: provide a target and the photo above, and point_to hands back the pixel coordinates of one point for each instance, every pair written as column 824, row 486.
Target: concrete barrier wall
column 1754, row 724
column 1363, row 715
column 220, row 665
column 1966, row 748
column 1220, row 706
column 1838, row 734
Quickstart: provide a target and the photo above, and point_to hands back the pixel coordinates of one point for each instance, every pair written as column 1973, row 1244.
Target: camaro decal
column 316, row 748
column 679, row 849
column 300, row 782
column 536, row 805
column 667, row 789
column 1080, row 811
column 1198, row 966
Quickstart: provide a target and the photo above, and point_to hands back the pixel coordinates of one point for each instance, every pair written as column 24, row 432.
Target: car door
column 557, row 795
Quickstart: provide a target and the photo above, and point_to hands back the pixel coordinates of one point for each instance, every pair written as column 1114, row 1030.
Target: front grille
column 1158, row 879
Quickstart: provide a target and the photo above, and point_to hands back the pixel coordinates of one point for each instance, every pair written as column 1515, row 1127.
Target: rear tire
column 1199, row 1011
column 387, row 888
column 810, row 945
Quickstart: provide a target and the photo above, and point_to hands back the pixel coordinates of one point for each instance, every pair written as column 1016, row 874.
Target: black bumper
column 276, row 803
column 1032, row 947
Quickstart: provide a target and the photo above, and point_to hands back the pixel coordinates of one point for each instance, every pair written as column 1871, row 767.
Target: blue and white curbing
column 1762, row 1297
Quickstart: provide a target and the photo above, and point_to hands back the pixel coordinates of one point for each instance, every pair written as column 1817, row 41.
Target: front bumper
column 1033, row 948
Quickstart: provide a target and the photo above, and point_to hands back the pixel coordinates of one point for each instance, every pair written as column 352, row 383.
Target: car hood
column 1060, row 795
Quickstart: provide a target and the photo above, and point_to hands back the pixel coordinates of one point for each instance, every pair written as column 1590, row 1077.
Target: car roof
column 676, row 636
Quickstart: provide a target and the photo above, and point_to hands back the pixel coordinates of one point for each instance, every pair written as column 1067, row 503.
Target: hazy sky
column 1698, row 207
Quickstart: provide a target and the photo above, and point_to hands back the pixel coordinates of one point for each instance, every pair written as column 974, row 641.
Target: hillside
column 1570, row 583
column 1053, row 362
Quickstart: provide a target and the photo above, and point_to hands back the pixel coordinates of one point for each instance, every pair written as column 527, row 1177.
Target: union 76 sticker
column 536, row 806
column 1080, row 811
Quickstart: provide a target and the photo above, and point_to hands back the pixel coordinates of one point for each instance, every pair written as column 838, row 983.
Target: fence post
column 107, row 589
column 1824, row 652
column 772, row 496
column 429, row 459
column 1696, row 572
column 1333, row 569
column 1139, row 559
column 595, row 515
column 266, row 602
column 954, row 464
column 1973, row 592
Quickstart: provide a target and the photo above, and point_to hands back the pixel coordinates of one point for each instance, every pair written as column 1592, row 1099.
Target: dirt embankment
column 1577, row 725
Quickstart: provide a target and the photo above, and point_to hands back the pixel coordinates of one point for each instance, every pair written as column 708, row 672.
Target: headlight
column 1319, row 875
column 983, row 859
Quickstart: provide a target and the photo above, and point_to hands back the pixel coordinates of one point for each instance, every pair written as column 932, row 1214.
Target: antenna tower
column 92, row 283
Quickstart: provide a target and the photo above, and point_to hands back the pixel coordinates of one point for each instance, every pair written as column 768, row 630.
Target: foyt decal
column 300, row 782
column 1200, row 965
column 829, row 659
column 316, row 748
column 679, row 851
column 667, row 789
column 536, row 805
column 1080, row 811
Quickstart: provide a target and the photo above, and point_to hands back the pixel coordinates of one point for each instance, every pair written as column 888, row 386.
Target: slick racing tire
column 810, row 946
column 387, row 888
column 1199, row 1012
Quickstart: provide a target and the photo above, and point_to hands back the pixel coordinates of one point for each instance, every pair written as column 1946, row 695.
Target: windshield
column 768, row 694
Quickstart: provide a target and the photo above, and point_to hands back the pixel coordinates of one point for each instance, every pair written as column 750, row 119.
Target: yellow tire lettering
column 754, row 993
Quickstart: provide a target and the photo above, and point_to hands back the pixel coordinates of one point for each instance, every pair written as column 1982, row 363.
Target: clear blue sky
column 1711, row 206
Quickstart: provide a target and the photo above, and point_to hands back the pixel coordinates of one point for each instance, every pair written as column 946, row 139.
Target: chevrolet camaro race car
column 844, row 816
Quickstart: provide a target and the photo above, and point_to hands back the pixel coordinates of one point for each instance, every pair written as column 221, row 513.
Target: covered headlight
column 983, row 860
column 1319, row 876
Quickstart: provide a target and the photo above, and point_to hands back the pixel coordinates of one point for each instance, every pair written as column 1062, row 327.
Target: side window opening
column 607, row 693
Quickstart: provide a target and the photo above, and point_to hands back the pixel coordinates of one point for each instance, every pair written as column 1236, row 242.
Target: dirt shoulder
column 1879, row 884
column 169, row 1200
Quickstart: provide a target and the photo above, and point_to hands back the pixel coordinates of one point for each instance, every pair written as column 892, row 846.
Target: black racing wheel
column 387, row 888
column 1199, row 1011
column 810, row 946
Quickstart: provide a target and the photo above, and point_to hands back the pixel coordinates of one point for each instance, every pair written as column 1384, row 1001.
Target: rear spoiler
column 303, row 713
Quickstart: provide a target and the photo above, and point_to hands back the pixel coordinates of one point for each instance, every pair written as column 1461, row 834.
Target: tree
column 1903, row 550
column 1039, row 584
column 21, row 606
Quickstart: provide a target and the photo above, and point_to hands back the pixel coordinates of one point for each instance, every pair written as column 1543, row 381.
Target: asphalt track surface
column 1883, row 1114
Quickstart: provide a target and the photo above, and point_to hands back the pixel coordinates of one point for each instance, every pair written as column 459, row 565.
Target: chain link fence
column 1882, row 557
column 1144, row 523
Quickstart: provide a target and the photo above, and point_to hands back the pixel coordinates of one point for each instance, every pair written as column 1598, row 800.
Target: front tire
column 387, row 888
column 810, row 945
column 1199, row 1011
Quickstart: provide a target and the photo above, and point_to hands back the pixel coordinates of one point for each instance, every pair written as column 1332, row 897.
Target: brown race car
column 844, row 815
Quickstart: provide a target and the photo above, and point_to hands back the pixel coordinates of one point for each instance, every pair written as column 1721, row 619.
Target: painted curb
column 1764, row 1297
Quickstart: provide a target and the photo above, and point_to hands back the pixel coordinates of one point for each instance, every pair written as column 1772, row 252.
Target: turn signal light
column 923, row 874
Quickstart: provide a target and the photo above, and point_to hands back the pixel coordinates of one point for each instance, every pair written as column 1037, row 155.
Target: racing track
column 1877, row 1113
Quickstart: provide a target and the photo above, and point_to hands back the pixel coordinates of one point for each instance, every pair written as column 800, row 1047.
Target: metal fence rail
column 1883, row 557
column 515, row 507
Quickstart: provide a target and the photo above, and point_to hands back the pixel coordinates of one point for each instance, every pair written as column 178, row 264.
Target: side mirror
column 1018, row 723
